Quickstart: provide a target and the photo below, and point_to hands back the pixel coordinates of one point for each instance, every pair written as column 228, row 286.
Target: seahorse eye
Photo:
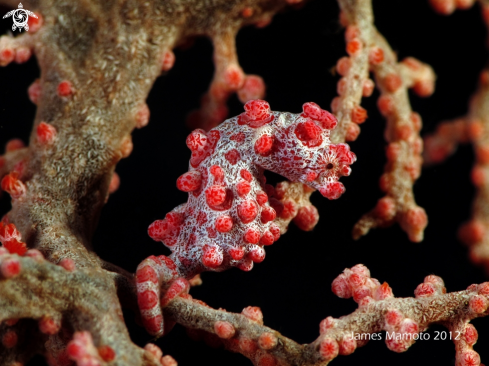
column 329, row 166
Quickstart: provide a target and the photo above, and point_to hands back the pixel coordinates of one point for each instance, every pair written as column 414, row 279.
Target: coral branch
column 43, row 291
column 402, row 318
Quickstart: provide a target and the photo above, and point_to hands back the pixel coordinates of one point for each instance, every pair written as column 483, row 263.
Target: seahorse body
column 227, row 219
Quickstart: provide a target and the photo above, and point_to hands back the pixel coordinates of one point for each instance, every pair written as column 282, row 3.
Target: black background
column 295, row 56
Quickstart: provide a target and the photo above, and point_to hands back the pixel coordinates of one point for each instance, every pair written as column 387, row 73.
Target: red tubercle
column 236, row 253
column 190, row 181
column 45, row 133
column 264, row 144
column 247, row 211
column 267, row 238
column 233, row 156
column 215, row 195
column 256, row 254
column 243, row 188
column 313, row 111
column 268, row 214
column 252, row 236
column 261, row 198
column 257, row 113
column 224, row 223
column 211, row 256
column 65, row 89
column 309, row 133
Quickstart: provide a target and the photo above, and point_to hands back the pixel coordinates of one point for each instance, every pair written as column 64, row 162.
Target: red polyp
column 190, row 181
column 65, row 89
column 307, row 217
column 247, row 211
column 107, row 353
column 12, row 185
column 264, row 144
column 45, row 133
